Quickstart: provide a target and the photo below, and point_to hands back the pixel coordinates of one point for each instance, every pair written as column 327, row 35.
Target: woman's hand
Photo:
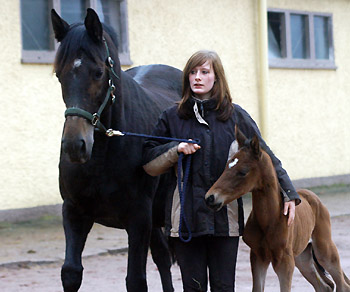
column 187, row 148
column 289, row 209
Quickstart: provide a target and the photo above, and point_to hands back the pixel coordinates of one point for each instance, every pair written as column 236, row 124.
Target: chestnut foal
column 266, row 232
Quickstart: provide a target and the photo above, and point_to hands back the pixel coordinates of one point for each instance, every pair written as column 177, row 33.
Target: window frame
column 48, row 56
column 311, row 63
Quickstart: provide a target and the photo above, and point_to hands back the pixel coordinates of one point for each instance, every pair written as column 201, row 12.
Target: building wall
column 31, row 117
column 302, row 115
column 310, row 109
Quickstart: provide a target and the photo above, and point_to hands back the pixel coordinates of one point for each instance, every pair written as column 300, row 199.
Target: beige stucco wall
column 167, row 31
column 310, row 109
column 31, row 116
column 159, row 32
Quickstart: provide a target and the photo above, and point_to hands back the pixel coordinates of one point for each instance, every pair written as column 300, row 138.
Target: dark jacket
column 207, row 165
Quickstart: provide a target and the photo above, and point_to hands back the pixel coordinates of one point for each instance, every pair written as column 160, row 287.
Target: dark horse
column 101, row 178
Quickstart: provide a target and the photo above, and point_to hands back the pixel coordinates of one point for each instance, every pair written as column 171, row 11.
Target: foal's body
column 266, row 231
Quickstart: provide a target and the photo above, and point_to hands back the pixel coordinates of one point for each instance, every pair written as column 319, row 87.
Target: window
column 38, row 44
column 300, row 39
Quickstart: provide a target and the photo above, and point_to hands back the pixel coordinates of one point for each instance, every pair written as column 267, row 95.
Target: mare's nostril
column 83, row 146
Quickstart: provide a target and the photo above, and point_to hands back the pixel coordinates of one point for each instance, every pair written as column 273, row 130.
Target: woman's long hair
column 220, row 91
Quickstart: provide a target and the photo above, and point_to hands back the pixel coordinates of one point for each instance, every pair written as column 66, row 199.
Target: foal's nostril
column 210, row 200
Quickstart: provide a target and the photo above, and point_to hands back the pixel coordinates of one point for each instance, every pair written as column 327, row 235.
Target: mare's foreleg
column 139, row 233
column 76, row 228
column 307, row 267
column 162, row 258
column 326, row 251
column 259, row 264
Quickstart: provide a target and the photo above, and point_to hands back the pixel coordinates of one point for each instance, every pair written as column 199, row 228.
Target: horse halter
column 95, row 118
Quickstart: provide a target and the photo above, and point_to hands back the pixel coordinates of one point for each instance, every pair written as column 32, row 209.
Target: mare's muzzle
column 77, row 139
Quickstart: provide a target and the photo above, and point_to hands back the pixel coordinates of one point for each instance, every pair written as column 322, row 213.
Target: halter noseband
column 95, row 118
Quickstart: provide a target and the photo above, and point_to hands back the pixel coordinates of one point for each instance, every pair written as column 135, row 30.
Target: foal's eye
column 243, row 172
column 98, row 74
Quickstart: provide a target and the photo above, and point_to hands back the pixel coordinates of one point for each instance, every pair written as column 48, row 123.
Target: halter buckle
column 110, row 62
column 95, row 119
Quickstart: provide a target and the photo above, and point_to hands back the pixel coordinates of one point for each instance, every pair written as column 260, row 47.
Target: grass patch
column 333, row 189
column 46, row 221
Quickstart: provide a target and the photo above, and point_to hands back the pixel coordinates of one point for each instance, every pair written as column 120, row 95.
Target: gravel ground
column 31, row 255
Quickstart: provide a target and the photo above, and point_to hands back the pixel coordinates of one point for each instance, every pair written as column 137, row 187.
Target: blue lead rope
column 182, row 192
column 181, row 185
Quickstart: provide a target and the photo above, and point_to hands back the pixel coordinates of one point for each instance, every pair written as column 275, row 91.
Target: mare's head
column 87, row 80
column 241, row 174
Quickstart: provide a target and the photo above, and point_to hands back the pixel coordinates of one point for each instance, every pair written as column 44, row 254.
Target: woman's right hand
column 187, row 148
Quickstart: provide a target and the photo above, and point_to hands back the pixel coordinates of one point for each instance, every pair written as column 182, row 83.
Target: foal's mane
column 77, row 40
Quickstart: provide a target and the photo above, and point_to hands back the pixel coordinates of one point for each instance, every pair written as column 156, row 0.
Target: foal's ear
column 93, row 25
column 240, row 137
column 255, row 146
column 60, row 27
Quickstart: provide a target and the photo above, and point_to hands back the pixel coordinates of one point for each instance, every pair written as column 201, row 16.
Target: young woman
column 206, row 112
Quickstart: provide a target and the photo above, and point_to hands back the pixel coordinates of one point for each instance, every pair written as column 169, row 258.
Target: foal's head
column 82, row 70
column 241, row 174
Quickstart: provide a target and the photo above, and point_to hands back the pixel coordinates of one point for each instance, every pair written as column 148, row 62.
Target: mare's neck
column 266, row 198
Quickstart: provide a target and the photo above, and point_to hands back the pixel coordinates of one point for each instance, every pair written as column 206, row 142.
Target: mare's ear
column 60, row 27
column 255, row 147
column 93, row 25
column 240, row 137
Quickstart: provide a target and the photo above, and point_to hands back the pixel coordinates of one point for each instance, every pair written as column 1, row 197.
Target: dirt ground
column 31, row 255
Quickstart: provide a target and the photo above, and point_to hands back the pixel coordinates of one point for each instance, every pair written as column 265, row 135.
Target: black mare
column 101, row 178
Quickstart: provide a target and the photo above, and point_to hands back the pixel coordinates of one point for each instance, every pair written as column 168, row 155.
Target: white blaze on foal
column 233, row 163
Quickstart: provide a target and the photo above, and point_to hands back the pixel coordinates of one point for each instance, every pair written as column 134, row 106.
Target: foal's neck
column 266, row 198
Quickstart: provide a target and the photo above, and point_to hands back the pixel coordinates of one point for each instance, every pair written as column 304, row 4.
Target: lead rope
column 181, row 185
column 182, row 192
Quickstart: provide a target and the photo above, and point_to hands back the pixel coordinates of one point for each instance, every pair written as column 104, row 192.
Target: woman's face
column 202, row 80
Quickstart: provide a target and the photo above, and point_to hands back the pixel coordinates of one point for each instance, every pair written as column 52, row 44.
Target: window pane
column 109, row 13
column 73, row 11
column 299, row 36
column 35, row 25
column 321, row 37
column 275, row 34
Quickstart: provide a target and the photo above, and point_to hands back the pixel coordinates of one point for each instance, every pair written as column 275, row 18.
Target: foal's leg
column 161, row 257
column 76, row 228
column 306, row 265
column 283, row 264
column 259, row 270
column 326, row 251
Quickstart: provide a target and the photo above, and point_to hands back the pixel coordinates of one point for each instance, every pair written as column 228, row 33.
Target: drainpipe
column 263, row 69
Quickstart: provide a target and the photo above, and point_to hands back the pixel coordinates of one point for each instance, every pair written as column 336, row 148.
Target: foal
column 266, row 231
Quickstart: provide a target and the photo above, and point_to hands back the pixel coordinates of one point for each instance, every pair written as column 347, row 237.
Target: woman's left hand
column 289, row 209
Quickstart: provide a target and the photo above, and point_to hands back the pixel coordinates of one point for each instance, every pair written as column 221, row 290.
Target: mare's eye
column 98, row 74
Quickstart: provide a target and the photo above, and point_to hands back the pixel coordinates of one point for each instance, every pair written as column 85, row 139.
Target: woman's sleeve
column 248, row 126
column 158, row 155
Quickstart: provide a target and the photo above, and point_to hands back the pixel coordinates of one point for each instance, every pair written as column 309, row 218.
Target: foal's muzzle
column 212, row 203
